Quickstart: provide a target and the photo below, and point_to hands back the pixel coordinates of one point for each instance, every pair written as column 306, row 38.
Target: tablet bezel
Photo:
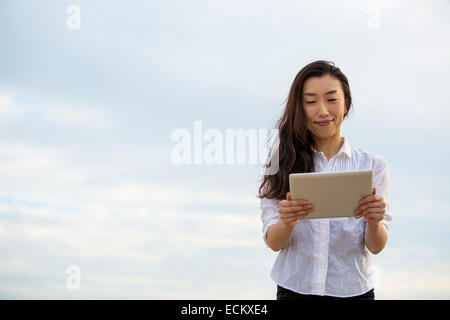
column 333, row 194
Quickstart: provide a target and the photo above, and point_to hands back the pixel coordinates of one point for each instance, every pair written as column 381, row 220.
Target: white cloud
column 29, row 165
column 60, row 114
column 136, row 222
column 9, row 111
column 75, row 116
column 414, row 272
column 140, row 223
column 104, row 210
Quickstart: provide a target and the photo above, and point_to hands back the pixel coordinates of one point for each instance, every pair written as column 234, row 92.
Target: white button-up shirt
column 329, row 256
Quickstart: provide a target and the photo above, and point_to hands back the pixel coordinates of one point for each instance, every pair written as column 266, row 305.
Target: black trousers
column 286, row 294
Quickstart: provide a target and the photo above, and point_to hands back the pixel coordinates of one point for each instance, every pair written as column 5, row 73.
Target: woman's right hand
column 291, row 211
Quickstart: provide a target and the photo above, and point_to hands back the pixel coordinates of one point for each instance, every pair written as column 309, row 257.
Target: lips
column 324, row 123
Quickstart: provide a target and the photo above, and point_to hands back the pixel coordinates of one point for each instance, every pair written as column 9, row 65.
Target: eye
column 332, row 99
column 309, row 102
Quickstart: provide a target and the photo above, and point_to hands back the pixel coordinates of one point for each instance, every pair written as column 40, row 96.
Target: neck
column 330, row 146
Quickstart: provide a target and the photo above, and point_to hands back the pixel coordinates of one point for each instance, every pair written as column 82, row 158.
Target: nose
column 323, row 112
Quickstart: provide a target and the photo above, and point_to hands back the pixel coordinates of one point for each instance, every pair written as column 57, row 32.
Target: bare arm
column 376, row 237
column 291, row 211
column 279, row 235
column 373, row 209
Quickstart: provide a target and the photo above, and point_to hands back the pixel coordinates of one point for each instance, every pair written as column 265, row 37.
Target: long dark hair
column 295, row 153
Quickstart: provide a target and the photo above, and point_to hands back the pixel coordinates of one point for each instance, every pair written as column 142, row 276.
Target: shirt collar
column 346, row 148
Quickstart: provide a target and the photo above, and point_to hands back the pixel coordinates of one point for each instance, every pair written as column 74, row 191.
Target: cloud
column 8, row 110
column 76, row 117
column 58, row 218
column 85, row 209
column 137, row 225
column 19, row 162
column 418, row 271
column 40, row 113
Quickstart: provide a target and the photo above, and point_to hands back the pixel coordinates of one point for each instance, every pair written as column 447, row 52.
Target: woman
column 322, row 258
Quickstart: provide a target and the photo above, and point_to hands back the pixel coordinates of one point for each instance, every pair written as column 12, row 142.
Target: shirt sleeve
column 383, row 188
column 269, row 215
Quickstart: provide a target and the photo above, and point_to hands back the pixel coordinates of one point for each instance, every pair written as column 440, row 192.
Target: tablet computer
column 333, row 194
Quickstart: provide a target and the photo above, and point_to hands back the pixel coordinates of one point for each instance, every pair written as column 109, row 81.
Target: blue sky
column 86, row 118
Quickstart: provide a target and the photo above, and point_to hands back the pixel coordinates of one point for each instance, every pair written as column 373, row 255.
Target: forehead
column 321, row 85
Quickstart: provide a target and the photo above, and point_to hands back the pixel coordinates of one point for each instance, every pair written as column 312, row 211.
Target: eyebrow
column 313, row 94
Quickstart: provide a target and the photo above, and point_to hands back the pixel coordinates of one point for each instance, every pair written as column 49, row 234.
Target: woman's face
column 323, row 100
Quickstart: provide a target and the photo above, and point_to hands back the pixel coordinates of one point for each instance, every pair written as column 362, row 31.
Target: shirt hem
column 325, row 294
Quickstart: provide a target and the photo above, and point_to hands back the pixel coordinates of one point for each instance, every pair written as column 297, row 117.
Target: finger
column 293, row 203
column 293, row 211
column 296, row 211
column 372, row 211
column 307, row 213
column 365, row 198
column 377, row 204
column 291, row 220
column 286, row 203
column 289, row 199
column 370, row 198
column 295, row 218
column 369, row 211
column 374, row 204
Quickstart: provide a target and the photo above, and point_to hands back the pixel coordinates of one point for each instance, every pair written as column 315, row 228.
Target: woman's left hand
column 372, row 207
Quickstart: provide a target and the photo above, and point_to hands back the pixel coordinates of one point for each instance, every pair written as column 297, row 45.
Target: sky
column 91, row 93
